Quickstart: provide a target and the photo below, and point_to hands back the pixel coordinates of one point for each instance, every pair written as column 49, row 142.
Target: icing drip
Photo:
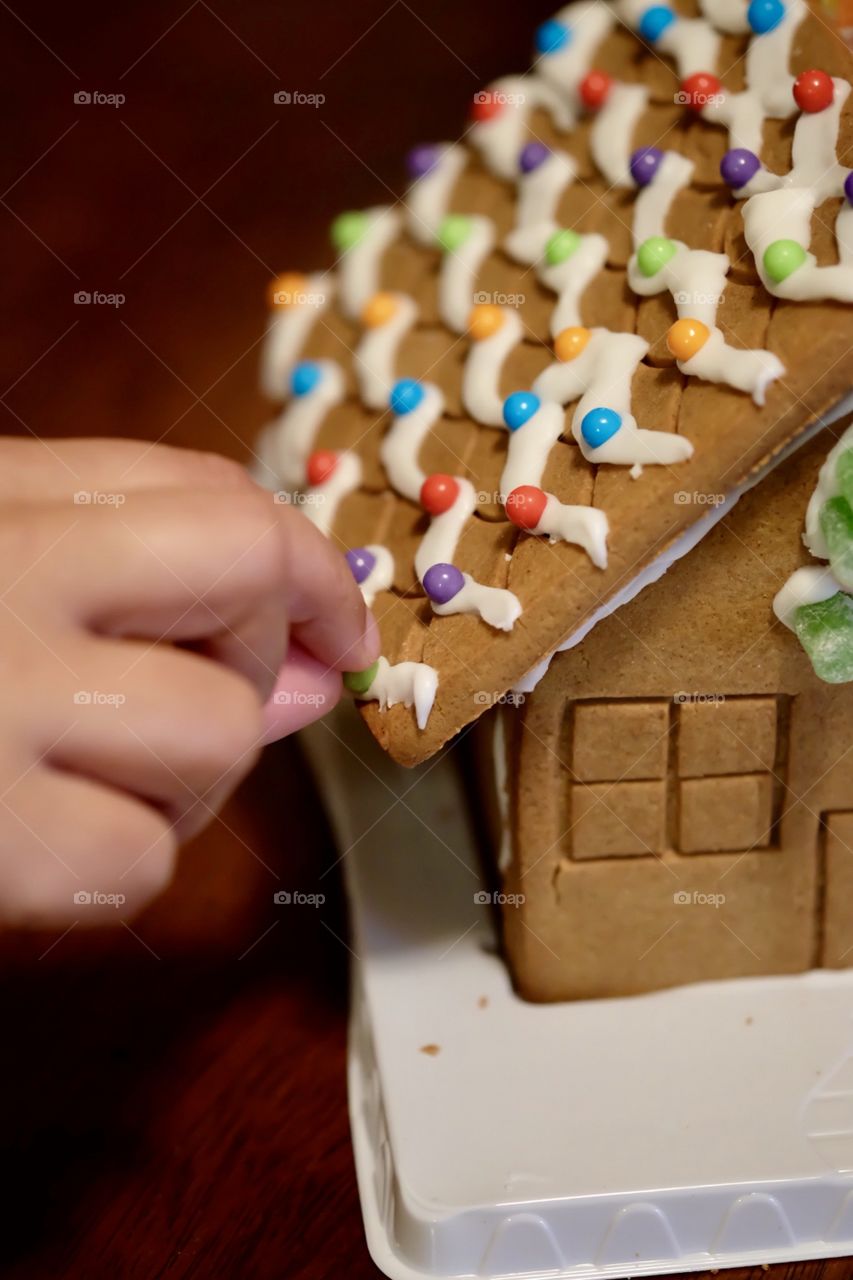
column 287, row 332
column 360, row 266
column 589, row 23
column 412, row 683
column 483, row 366
column 654, row 201
column 782, row 208
column 460, row 267
column 692, row 43
column 570, row 278
column 500, row 138
column 539, row 195
column 726, row 15
column 381, row 576
column 287, row 443
column 613, row 129
column 427, row 199
column 401, row 444
column 376, row 354
column 322, row 500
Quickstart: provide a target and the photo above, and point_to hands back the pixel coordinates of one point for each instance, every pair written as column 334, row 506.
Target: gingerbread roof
column 622, row 292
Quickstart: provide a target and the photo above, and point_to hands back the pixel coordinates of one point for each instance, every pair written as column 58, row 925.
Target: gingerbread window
column 725, row 814
column 726, row 735
column 615, row 741
column 621, row 819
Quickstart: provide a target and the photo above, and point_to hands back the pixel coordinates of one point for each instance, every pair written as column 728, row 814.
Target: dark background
column 173, row 1091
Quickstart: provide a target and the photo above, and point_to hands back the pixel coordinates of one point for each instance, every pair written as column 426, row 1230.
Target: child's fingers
column 305, row 691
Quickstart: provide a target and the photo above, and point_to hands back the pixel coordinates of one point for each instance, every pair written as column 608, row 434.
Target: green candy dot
column 836, row 525
column 454, row 231
column 825, row 631
column 360, row 681
column 844, row 474
column 347, row 229
column 561, row 245
column 655, row 253
column 781, row 258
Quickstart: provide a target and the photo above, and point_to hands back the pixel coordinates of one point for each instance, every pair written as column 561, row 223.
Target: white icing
column 287, row 443
column 288, row 329
column 653, row 203
column 502, row 788
column 483, row 366
column 321, row 502
column 428, row 198
column 810, row 585
column 827, row 487
column 589, row 22
column 586, row 526
column 496, row 606
column 726, row 15
column 381, row 576
column 539, row 195
column 745, row 370
column 412, row 683
column 376, row 354
column 360, row 268
column 500, row 139
column 613, row 129
column 692, row 43
column 570, row 278
column 459, row 270
column 401, row 444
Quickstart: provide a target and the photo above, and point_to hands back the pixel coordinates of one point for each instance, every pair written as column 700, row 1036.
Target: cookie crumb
column 483, row 1002
column 431, row 1049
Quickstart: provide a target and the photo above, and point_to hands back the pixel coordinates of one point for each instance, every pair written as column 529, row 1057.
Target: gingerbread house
column 539, row 382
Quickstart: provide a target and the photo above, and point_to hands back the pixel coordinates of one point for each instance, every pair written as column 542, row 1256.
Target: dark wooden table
column 173, row 1091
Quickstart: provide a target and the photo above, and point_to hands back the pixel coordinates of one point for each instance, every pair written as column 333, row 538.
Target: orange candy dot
column 484, row 321
column 286, row 289
column 686, row 337
column 570, row 342
column 381, row 308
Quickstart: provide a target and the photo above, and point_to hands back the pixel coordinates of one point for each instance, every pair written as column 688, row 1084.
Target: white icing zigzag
column 388, row 319
column 286, row 444
column 381, row 576
column 360, row 265
column 539, row 194
column 500, row 138
column 460, row 267
column 412, row 683
column 484, row 363
column 428, row 198
column 401, row 444
column 296, row 309
column 321, row 501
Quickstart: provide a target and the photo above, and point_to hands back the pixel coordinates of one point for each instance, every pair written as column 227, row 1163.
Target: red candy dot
column 813, row 91
column 320, row 466
column 525, row 505
column 438, row 494
column 698, row 90
column 486, row 106
column 594, row 89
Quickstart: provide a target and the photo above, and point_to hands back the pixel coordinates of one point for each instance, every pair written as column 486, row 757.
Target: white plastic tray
column 710, row 1126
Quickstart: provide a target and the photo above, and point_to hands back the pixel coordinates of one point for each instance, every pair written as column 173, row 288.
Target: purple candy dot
column 442, row 582
column 644, row 164
column 421, row 160
column 361, row 562
column 738, row 166
column 532, row 155
column 848, row 187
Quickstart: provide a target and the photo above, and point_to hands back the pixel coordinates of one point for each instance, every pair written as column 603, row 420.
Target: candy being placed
column 825, row 630
column 361, row 562
column 561, row 245
column 422, row 160
column 765, row 15
column 438, row 494
column 360, row 681
column 700, row 89
column 406, row 395
column 655, row 253
column 320, row 466
column 520, row 408
column 348, row 229
column 532, row 155
column 569, row 343
column 813, row 90
column 442, row 582
column 836, row 525
column 454, row 231
column 484, row 321
column 655, row 21
column 594, row 89
column 738, row 166
column 551, row 37
column 686, row 337
column 599, row 425
column 525, row 505
column 781, row 258
column 305, row 377
column 644, row 164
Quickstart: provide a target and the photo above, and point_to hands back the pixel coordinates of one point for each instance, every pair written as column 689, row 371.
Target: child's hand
column 147, row 595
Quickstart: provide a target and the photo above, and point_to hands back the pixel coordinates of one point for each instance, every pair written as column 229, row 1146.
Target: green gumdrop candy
column 836, row 525
column 360, row 681
column 825, row 631
column 844, row 474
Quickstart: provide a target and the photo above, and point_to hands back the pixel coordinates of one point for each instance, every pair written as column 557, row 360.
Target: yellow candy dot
column 381, row 308
column 686, row 337
column 287, row 289
column 484, row 321
column 570, row 342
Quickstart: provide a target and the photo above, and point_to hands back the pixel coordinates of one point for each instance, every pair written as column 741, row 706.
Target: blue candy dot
column 552, row 36
column 765, row 15
column 599, row 425
column 406, row 395
column 305, row 377
column 655, row 21
column 520, row 408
